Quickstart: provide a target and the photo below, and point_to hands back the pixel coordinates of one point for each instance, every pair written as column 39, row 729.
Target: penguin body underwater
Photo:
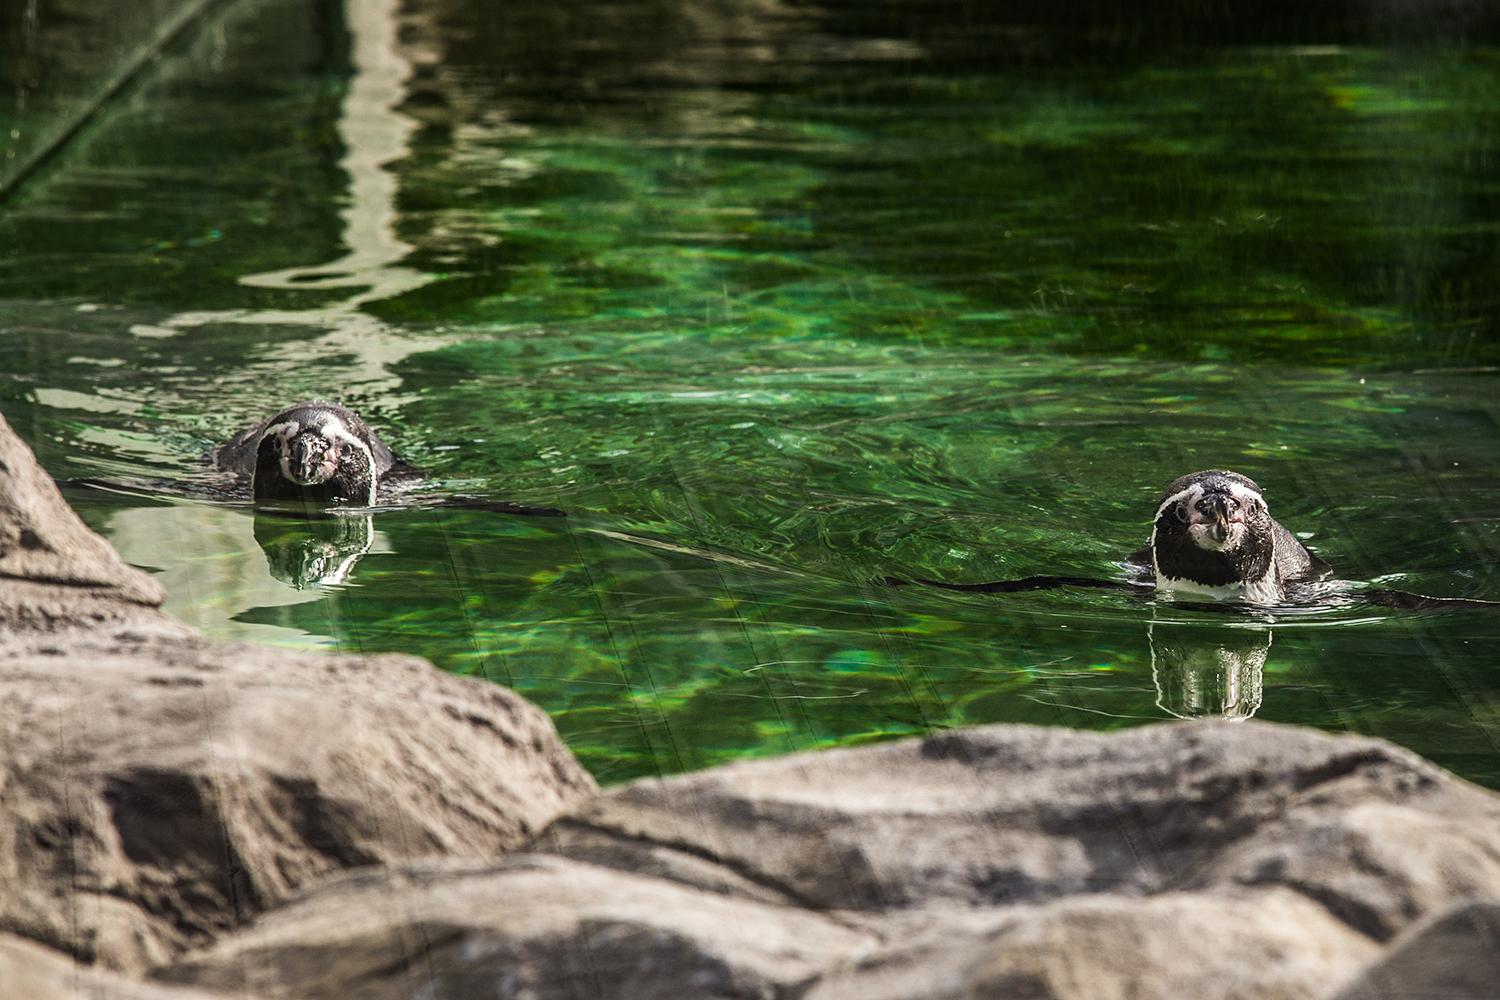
column 315, row 452
column 1213, row 539
column 325, row 455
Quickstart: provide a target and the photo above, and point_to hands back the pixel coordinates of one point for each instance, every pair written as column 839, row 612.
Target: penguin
column 315, row 452
column 1213, row 537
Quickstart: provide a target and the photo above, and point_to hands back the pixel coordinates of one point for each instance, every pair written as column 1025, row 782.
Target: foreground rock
column 1002, row 815
column 30, row 972
column 1453, row 956
column 160, row 790
column 534, row 927
column 1203, row 860
column 55, row 572
column 165, row 793
column 1246, row 946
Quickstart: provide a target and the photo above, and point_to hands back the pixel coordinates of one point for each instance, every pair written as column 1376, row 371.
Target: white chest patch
column 1262, row 591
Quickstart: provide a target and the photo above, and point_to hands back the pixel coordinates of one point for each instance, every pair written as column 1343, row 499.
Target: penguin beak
column 311, row 460
column 1216, row 520
column 1219, row 511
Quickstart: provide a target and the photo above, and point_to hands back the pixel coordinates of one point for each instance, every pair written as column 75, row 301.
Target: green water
column 777, row 302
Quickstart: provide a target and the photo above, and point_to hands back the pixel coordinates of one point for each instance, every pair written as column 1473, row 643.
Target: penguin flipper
column 1023, row 584
column 1402, row 600
column 500, row 507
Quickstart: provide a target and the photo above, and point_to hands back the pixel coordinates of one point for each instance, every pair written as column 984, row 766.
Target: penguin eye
column 1182, row 512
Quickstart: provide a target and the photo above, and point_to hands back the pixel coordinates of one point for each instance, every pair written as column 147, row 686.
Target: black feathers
column 314, row 452
column 1214, row 535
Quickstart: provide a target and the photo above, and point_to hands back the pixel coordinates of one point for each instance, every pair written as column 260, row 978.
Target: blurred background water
column 777, row 299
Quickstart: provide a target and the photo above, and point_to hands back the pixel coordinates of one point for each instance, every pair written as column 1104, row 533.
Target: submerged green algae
column 773, row 324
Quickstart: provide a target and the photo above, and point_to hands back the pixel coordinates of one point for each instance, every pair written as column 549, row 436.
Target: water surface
column 776, row 302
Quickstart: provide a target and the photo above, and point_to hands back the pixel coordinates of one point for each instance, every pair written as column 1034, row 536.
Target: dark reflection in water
column 58, row 58
column 1301, row 203
column 780, row 299
column 311, row 550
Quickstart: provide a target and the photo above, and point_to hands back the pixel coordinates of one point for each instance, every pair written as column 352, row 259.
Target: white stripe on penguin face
column 286, row 430
column 334, row 428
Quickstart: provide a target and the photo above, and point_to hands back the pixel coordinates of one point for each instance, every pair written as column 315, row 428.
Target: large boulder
column 1454, row 955
column 30, row 972
column 160, row 789
column 164, row 793
column 43, row 542
column 533, row 926
column 1014, row 814
column 1212, row 860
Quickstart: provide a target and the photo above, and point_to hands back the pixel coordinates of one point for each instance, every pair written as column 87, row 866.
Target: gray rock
column 535, row 927
column 30, row 972
column 42, row 541
column 161, row 789
column 1255, row 945
column 1005, row 815
column 1009, row 862
column 1454, row 955
column 166, row 793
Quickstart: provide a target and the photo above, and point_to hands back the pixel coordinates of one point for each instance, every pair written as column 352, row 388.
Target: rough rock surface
column 1245, row 946
column 1009, row 814
column 166, row 793
column 1205, row 860
column 30, row 972
column 42, row 541
column 532, row 926
column 160, row 789
column 1452, row 956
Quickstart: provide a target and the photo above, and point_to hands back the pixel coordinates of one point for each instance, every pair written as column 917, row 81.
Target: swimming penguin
column 323, row 454
column 1215, row 537
column 317, row 452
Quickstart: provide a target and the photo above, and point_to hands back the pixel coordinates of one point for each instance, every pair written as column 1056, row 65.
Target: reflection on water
column 60, row 59
column 217, row 562
column 1208, row 671
column 375, row 135
column 313, row 550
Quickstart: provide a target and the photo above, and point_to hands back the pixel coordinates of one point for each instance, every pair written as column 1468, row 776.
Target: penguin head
column 307, row 457
column 317, row 455
column 1213, row 529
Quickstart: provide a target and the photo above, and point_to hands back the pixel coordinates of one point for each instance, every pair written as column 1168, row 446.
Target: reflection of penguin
column 1214, row 537
column 1203, row 670
column 313, row 551
column 316, row 452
